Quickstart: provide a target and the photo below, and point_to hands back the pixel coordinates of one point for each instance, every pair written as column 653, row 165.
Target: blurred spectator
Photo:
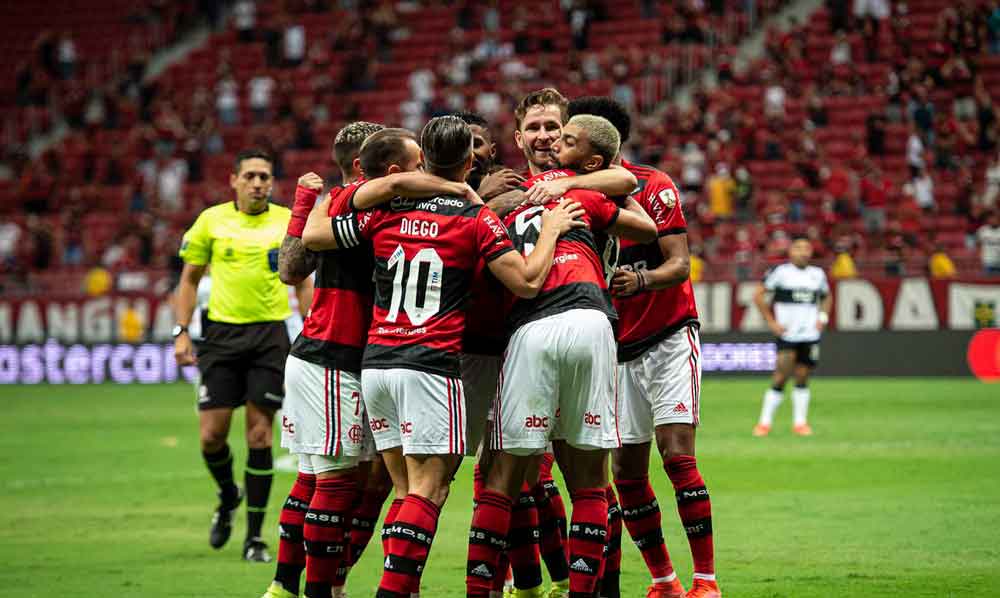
column 875, row 134
column 721, row 187
column 875, row 197
column 940, row 265
column 992, row 189
column 843, row 266
column 227, row 100
column 774, row 98
column 10, row 235
column 743, row 253
column 840, row 54
column 921, row 111
column 986, row 116
column 580, row 16
column 988, row 238
column 40, row 243
column 697, row 270
column 693, row 171
column 261, row 89
column 922, row 190
column 743, row 193
column 870, row 14
column 294, row 44
column 66, row 56
column 245, row 19
column 914, row 151
column 491, row 16
column 816, row 110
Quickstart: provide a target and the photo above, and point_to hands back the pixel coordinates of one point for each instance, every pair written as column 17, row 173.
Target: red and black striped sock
column 325, row 532
column 478, row 482
column 487, row 541
column 500, row 579
column 364, row 518
column 409, row 542
column 611, row 573
column 641, row 514
column 522, row 542
column 291, row 547
column 390, row 517
column 551, row 519
column 588, row 533
column 695, row 509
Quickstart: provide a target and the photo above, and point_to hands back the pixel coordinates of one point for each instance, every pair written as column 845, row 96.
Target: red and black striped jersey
column 647, row 318
column 334, row 333
column 576, row 280
column 426, row 252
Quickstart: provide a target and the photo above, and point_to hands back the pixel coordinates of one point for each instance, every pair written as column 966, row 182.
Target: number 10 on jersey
column 416, row 288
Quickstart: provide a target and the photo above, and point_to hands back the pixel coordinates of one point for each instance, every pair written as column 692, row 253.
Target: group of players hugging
column 531, row 319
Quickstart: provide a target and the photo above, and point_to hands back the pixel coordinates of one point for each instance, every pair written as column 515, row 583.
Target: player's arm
column 612, row 181
column 675, row 269
column 304, row 293
column 505, row 203
column 633, row 223
column 185, row 299
column 317, row 235
column 526, row 276
column 406, row 184
column 760, row 300
column 825, row 305
column 295, row 262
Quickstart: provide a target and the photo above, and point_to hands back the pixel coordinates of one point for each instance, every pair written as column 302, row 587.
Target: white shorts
column 424, row 413
column 323, row 413
column 662, row 386
column 481, row 378
column 558, row 383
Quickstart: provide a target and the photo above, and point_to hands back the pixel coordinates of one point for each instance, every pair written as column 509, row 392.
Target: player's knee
column 259, row 436
column 625, row 465
column 212, row 440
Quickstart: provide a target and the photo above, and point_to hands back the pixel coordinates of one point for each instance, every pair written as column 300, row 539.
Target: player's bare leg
column 784, row 366
column 642, row 516
column 257, row 478
column 586, row 474
column 213, row 430
column 676, row 444
column 800, row 400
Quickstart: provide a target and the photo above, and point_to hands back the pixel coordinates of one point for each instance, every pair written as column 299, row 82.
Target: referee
column 241, row 356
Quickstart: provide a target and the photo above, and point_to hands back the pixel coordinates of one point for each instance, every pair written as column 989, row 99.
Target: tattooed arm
column 295, row 262
column 504, row 204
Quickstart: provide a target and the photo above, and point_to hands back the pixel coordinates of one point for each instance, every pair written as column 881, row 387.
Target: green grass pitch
column 102, row 493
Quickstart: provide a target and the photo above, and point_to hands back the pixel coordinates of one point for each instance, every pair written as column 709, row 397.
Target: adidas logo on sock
column 482, row 571
column 680, row 408
column 581, row 566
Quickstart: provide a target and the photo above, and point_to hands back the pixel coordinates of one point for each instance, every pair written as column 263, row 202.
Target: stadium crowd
column 871, row 127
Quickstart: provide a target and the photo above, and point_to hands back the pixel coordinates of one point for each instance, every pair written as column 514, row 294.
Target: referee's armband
column 346, row 231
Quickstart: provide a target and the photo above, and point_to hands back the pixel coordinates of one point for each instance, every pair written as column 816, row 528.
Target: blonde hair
column 601, row 134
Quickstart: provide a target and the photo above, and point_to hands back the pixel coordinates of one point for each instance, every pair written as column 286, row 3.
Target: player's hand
column 311, row 180
column 499, row 182
column 624, row 283
column 546, row 191
column 564, row 217
column 184, row 350
column 471, row 195
column 777, row 328
column 820, row 325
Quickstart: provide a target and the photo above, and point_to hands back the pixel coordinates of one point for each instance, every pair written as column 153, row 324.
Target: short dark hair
column 606, row 107
column 475, row 119
column 250, row 154
column 382, row 149
column 543, row 97
column 347, row 143
column 447, row 143
column 800, row 237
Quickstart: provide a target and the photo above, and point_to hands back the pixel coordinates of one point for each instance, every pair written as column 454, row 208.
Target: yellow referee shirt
column 242, row 251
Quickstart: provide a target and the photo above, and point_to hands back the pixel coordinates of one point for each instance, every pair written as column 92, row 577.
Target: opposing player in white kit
column 801, row 311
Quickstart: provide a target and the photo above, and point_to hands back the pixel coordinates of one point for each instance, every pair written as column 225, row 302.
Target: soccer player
column 561, row 357
column 801, row 310
column 241, row 358
column 488, row 178
column 425, row 254
column 659, row 379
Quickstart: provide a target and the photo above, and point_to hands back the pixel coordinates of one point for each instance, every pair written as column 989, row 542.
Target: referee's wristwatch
column 178, row 330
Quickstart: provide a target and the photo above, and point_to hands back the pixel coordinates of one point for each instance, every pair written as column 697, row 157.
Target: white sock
column 667, row 579
column 704, row 576
column 772, row 398
column 800, row 404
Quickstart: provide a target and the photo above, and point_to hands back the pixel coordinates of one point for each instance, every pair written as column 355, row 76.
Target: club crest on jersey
column 669, row 198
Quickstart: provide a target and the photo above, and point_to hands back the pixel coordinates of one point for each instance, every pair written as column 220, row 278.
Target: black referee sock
column 258, row 476
column 220, row 465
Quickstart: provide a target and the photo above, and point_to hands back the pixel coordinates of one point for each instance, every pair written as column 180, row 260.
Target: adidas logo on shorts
column 680, row 408
column 581, row 566
column 482, row 571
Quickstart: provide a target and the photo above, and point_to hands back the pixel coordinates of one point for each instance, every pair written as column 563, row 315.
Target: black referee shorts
column 240, row 363
column 805, row 353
